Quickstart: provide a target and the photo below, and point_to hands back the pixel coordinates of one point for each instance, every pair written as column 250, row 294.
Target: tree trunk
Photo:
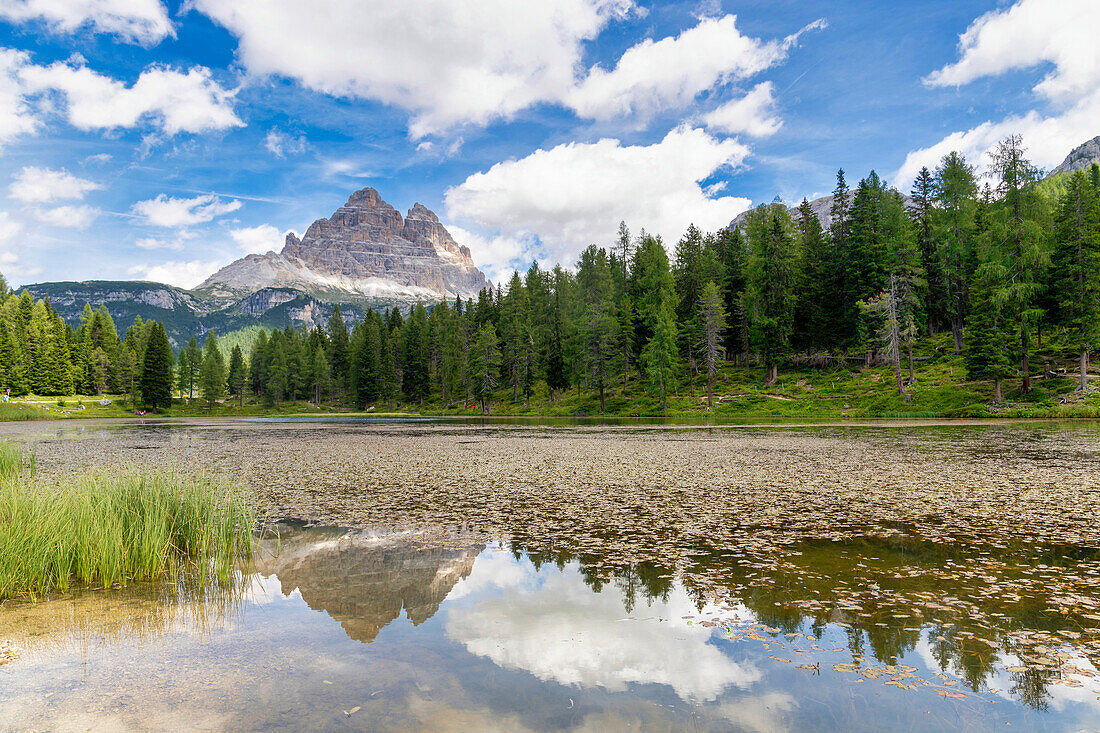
column 912, row 378
column 897, row 374
column 710, row 390
column 691, row 376
column 772, row 371
column 997, row 399
column 1025, row 363
column 601, row 397
column 1084, row 370
column 957, row 333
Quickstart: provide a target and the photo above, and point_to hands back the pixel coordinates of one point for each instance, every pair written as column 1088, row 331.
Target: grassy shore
column 850, row 390
column 108, row 528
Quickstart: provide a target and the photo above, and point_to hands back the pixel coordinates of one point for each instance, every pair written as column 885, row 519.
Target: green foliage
column 156, row 369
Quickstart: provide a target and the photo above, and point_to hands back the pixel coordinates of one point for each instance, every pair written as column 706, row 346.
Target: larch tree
column 712, row 316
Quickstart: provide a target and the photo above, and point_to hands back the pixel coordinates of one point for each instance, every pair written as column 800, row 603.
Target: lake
column 545, row 575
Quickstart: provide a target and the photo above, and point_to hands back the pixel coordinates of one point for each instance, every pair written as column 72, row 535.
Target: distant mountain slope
column 185, row 313
column 822, row 207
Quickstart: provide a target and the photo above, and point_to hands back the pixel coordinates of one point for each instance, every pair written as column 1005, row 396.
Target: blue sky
column 148, row 140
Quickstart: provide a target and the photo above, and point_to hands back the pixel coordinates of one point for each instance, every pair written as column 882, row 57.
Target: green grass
column 109, row 528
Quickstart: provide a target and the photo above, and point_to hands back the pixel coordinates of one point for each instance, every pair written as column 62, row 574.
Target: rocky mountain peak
column 366, row 198
column 1081, row 157
column 365, row 249
column 420, row 211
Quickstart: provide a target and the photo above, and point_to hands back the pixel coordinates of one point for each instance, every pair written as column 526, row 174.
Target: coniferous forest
column 993, row 260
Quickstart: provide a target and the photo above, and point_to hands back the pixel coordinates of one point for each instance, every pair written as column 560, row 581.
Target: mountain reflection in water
column 336, row 630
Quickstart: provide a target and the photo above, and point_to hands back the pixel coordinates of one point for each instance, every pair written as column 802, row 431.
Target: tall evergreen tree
column 1076, row 264
column 156, row 369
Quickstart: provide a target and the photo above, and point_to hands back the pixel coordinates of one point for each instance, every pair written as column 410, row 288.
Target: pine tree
column 770, row 294
column 1022, row 240
column 485, row 360
column 340, row 356
column 156, row 369
column 237, row 378
column 712, row 315
column 1076, row 265
column 956, row 191
column 212, row 373
column 416, row 378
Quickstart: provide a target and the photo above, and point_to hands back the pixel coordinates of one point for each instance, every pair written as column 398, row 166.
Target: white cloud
column 1029, row 33
column 447, row 61
column 171, row 100
column 454, row 62
column 575, row 194
column 166, row 211
column 498, row 256
column 671, row 72
column 259, row 239
column 176, row 242
column 70, row 217
column 40, row 185
column 1024, row 35
column 753, row 114
column 98, row 159
column 558, row 629
column 16, row 116
column 183, row 274
column 138, row 21
column 280, row 143
column 11, row 245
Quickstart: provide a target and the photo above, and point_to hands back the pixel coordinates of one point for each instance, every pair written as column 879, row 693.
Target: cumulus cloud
column 446, row 61
column 40, row 185
column 181, row 273
column 171, row 100
column 259, row 239
column 753, row 114
column 564, row 632
column 671, row 72
column 168, row 212
column 1026, row 34
column 69, row 217
column 280, row 143
column 454, row 62
column 137, row 21
column 575, row 194
column 16, row 116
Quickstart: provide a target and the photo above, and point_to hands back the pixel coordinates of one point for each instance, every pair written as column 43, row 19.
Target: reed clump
column 107, row 528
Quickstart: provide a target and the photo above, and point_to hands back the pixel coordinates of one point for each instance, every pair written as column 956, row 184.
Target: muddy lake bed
column 560, row 575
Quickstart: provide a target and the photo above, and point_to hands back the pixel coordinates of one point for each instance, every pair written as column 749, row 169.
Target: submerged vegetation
column 109, row 527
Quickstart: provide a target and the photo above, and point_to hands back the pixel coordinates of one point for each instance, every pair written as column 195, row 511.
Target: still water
column 557, row 575
column 370, row 630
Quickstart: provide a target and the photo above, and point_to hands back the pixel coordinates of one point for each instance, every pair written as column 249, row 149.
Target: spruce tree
column 770, row 294
column 1076, row 265
column 156, row 369
column 237, row 377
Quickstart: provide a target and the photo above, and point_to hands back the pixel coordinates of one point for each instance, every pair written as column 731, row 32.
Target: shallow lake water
column 606, row 606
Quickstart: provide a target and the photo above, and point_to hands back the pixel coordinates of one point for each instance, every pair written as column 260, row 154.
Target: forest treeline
column 999, row 265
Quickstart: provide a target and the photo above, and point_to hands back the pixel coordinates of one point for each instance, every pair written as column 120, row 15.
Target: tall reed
column 110, row 527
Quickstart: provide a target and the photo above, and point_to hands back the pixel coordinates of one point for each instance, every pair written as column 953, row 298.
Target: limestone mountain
column 364, row 250
column 1080, row 158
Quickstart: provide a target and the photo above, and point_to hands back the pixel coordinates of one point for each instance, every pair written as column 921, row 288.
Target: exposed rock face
column 1081, row 157
column 365, row 248
column 821, row 207
column 365, row 582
